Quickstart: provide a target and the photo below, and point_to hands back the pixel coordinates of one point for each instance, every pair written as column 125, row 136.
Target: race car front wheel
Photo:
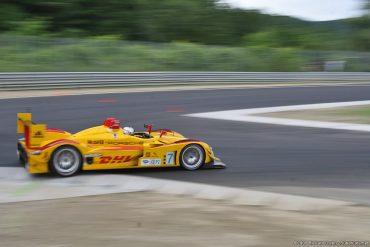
column 192, row 157
column 65, row 161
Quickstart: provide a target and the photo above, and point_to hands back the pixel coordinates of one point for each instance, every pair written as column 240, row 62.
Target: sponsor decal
column 115, row 159
column 115, row 135
column 124, row 148
column 150, row 162
column 123, row 143
column 96, row 142
column 151, row 154
column 38, row 134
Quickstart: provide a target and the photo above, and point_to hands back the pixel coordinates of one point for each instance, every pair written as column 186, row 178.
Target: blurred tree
column 31, row 26
column 10, row 14
column 197, row 21
column 367, row 6
column 361, row 30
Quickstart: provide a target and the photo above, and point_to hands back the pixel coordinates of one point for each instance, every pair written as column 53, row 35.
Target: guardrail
column 64, row 80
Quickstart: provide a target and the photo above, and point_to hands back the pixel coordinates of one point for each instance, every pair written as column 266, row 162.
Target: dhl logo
column 115, row 160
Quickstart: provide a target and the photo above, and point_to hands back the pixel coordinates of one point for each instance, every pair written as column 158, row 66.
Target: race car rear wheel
column 66, row 161
column 192, row 157
column 22, row 155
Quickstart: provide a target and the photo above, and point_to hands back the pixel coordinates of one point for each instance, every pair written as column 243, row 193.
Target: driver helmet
column 128, row 130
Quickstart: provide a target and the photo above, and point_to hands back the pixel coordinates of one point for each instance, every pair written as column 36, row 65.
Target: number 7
column 170, row 158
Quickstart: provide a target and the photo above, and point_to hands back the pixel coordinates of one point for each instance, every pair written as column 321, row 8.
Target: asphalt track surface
column 296, row 160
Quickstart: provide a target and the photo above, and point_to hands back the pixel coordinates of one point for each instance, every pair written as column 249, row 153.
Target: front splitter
column 216, row 164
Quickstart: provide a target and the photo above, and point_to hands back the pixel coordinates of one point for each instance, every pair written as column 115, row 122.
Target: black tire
column 22, row 155
column 65, row 161
column 192, row 157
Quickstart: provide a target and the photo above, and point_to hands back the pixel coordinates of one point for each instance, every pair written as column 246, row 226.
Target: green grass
column 355, row 114
column 361, row 112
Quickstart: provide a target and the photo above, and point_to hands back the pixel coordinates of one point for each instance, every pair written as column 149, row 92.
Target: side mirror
column 148, row 127
column 163, row 132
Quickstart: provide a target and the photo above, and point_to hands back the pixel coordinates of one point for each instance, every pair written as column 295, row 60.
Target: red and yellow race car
column 107, row 146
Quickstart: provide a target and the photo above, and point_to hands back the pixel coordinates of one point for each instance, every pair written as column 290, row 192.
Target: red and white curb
column 17, row 185
column 248, row 115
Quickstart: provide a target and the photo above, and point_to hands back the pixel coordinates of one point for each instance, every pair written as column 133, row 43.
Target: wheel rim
column 66, row 161
column 192, row 157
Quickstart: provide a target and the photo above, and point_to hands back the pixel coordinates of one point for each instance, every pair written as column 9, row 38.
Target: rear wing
column 33, row 133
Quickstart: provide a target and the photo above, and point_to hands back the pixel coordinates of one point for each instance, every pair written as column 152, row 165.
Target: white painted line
column 247, row 115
